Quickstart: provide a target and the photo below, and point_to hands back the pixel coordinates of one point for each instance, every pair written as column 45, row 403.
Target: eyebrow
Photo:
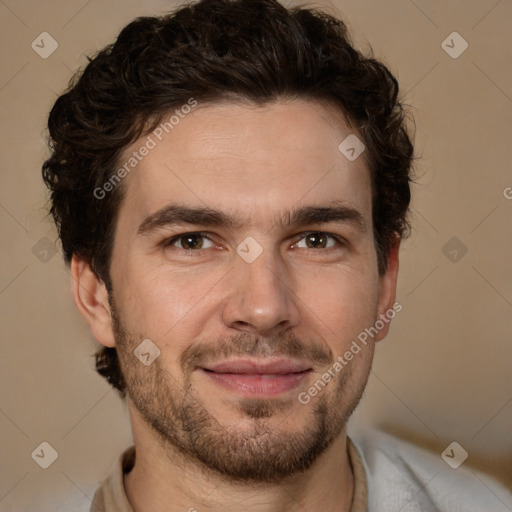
column 334, row 212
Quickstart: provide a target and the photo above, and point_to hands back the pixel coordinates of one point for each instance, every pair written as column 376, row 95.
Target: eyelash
column 168, row 243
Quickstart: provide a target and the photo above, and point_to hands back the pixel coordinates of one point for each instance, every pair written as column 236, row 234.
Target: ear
column 91, row 298
column 387, row 290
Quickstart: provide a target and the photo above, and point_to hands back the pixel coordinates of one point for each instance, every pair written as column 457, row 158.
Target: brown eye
column 318, row 240
column 190, row 241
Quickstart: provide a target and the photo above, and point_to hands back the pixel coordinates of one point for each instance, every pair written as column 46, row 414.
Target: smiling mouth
column 258, row 379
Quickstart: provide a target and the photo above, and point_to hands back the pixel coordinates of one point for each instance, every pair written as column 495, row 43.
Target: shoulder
column 110, row 496
column 404, row 477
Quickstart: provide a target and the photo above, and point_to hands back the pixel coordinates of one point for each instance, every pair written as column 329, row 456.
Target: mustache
column 244, row 344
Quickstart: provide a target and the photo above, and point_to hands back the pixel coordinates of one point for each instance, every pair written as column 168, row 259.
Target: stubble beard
column 260, row 452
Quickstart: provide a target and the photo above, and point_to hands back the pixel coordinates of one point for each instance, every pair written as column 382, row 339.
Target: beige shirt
column 111, row 496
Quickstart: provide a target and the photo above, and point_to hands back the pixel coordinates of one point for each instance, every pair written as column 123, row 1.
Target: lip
column 258, row 379
column 252, row 366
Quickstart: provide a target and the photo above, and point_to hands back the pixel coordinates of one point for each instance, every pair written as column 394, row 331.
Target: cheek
column 170, row 308
column 159, row 303
column 341, row 304
column 175, row 308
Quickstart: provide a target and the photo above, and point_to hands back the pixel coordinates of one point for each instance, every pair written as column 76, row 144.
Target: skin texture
column 305, row 297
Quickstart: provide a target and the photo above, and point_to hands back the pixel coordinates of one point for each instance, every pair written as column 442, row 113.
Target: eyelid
column 341, row 240
column 169, row 241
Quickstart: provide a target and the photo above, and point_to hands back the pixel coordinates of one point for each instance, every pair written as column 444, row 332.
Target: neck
column 162, row 480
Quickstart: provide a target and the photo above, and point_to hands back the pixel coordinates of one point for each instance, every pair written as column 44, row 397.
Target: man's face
column 249, row 314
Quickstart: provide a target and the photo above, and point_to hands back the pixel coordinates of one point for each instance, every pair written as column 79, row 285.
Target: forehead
column 258, row 162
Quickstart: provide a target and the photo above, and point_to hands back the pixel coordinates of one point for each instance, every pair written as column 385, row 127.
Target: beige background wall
column 442, row 375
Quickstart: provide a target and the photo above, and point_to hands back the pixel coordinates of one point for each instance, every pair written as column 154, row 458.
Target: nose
column 261, row 298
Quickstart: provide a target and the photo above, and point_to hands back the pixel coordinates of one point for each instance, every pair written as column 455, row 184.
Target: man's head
column 209, row 200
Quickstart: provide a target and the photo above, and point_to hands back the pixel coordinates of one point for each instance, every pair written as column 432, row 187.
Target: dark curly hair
column 255, row 50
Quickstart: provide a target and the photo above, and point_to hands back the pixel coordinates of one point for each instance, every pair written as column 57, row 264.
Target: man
column 231, row 185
